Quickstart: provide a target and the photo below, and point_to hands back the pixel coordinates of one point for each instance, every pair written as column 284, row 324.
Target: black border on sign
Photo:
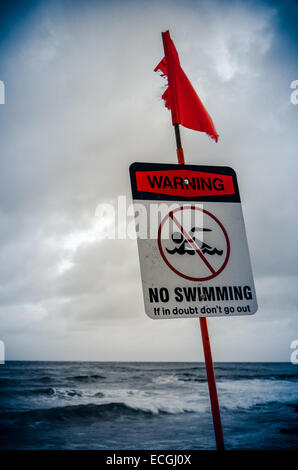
column 220, row 170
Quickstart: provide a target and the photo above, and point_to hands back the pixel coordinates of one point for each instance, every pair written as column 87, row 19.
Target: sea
column 143, row 405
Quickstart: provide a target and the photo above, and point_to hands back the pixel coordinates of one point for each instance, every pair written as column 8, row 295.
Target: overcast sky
column 82, row 103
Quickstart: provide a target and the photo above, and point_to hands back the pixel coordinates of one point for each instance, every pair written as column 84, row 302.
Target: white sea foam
column 248, row 393
column 184, row 397
column 165, row 379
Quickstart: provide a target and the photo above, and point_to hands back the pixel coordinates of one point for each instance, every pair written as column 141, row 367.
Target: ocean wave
column 86, row 378
column 283, row 377
column 50, row 391
column 46, row 392
column 191, row 377
column 108, row 409
column 87, row 412
column 178, row 378
column 241, row 377
column 143, row 406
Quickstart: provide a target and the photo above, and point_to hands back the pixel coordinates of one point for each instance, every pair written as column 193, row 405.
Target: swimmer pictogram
column 209, row 256
column 185, row 247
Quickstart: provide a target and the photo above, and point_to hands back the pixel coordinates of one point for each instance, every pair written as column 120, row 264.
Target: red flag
column 180, row 96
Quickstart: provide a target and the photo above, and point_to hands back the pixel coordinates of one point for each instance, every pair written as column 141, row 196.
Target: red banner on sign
column 184, row 183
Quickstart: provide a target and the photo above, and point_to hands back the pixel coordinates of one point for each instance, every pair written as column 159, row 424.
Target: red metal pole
column 206, row 342
column 212, row 385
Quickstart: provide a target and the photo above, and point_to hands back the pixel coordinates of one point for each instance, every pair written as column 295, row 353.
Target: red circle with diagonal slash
column 214, row 273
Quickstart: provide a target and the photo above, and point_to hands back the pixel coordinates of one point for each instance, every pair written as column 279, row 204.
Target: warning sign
column 195, row 260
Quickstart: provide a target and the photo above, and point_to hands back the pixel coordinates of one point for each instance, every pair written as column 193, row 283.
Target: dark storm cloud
column 82, row 104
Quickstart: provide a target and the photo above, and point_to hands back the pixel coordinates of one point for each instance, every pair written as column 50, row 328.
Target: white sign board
column 194, row 256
